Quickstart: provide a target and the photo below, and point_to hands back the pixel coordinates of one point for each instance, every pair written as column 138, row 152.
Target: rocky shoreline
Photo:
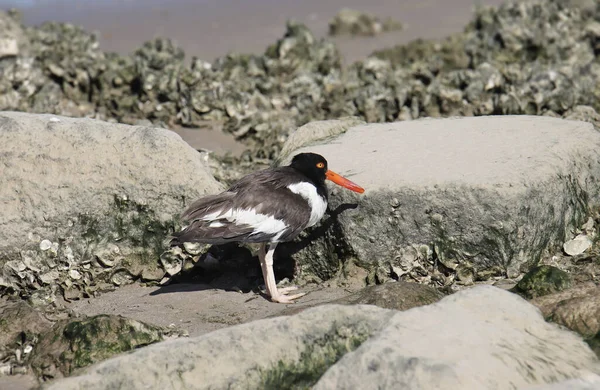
column 505, row 195
column 509, row 60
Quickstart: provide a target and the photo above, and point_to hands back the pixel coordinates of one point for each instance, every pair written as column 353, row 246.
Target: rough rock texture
column 459, row 199
column 313, row 133
column 394, row 295
column 588, row 382
column 20, row 328
column 73, row 344
column 577, row 308
column 51, row 341
column 338, row 346
column 87, row 202
column 543, row 280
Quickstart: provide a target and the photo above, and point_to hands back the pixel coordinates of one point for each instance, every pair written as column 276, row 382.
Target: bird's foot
column 282, row 297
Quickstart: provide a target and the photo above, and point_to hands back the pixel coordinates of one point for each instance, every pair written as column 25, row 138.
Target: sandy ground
column 212, row 28
column 211, row 138
column 197, row 308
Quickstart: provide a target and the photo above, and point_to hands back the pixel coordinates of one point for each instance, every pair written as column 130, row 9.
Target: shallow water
column 212, row 28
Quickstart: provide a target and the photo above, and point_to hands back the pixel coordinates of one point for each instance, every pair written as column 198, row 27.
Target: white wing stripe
column 260, row 223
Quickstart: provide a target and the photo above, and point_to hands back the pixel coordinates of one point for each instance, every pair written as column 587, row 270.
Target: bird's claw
column 282, row 296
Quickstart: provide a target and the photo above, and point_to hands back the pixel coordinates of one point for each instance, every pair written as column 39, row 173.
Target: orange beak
column 342, row 181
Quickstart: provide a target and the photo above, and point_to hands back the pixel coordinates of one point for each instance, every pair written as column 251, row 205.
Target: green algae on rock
column 74, row 344
column 543, row 280
column 314, row 360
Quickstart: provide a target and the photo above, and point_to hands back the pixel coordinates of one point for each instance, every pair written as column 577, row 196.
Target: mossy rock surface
column 318, row 356
column 543, row 280
column 74, row 344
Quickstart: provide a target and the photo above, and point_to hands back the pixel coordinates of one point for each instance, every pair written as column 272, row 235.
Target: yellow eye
column 320, row 165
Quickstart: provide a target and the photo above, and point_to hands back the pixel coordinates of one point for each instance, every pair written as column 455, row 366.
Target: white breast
column 317, row 204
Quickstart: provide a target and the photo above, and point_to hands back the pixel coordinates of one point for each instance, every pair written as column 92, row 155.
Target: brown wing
column 215, row 219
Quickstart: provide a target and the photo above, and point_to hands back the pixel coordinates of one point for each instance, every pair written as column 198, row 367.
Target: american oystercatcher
column 266, row 207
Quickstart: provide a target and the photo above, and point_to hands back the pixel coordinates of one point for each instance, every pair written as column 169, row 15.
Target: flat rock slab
column 82, row 191
column 481, row 192
column 457, row 343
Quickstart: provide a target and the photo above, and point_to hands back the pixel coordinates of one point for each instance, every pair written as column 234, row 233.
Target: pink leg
column 266, row 264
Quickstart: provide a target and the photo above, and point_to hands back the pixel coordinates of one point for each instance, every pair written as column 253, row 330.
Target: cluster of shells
column 56, row 268
column 357, row 23
column 536, row 57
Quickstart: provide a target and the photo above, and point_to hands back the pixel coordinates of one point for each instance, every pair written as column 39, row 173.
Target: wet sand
column 212, row 28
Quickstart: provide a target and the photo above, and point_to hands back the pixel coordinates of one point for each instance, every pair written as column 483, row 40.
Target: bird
column 267, row 207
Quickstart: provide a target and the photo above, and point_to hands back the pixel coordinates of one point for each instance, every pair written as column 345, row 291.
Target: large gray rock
column 86, row 201
column 457, row 343
column 483, row 195
column 460, row 343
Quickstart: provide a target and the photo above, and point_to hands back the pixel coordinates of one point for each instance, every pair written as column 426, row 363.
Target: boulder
column 456, row 199
column 577, row 308
column 456, row 343
column 88, row 203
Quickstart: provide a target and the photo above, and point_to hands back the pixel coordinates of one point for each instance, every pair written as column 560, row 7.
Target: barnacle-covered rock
column 484, row 215
column 353, row 22
column 12, row 38
column 77, row 237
